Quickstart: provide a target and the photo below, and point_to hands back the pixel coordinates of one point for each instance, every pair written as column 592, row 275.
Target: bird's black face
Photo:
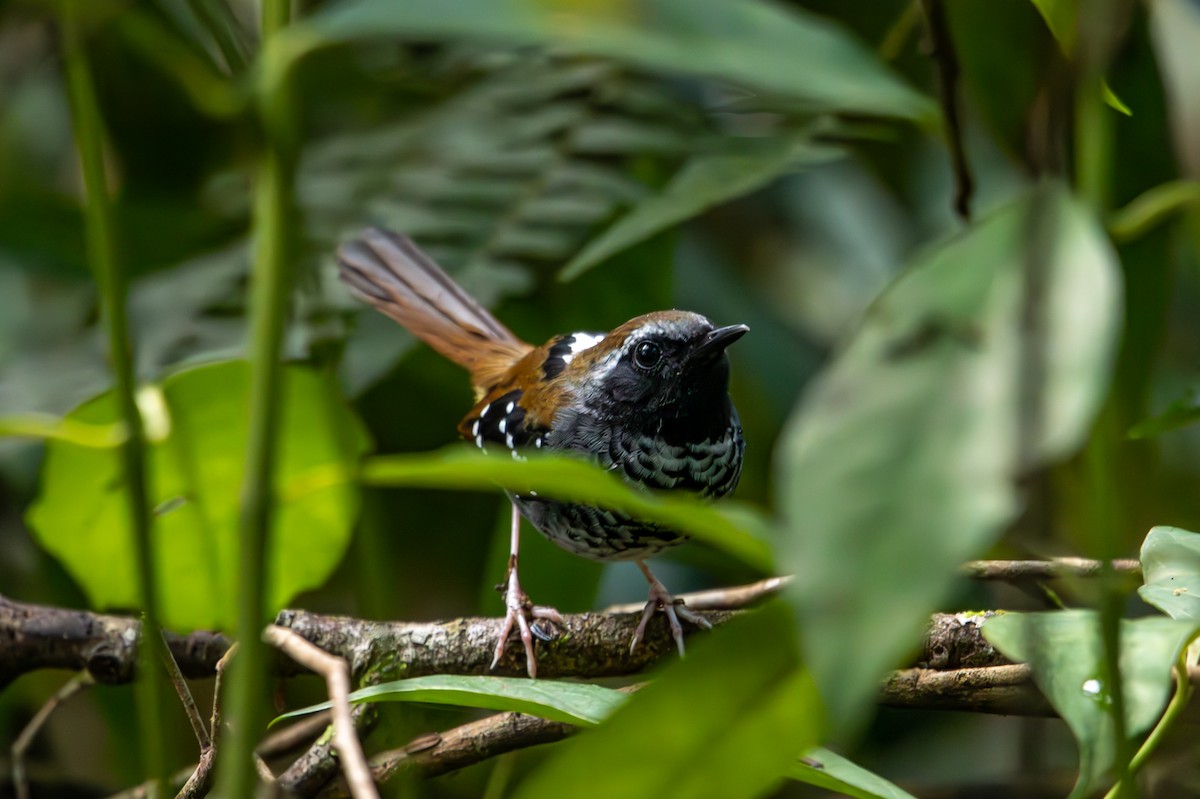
column 668, row 373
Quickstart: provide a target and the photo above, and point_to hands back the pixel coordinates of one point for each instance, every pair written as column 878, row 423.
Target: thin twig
column 740, row 596
column 294, row 736
column 222, row 664
column 337, row 676
column 200, row 783
column 25, row 739
column 941, row 50
column 185, row 696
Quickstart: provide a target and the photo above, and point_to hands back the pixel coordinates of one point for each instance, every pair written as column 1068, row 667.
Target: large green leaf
column 759, row 44
column 571, row 479
column 1171, row 572
column 831, row 771
column 1065, row 650
column 988, row 356
column 196, row 422
column 573, row 703
column 728, row 721
column 706, row 180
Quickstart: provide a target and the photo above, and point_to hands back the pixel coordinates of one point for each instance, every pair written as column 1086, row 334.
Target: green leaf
column 1183, row 411
column 1114, row 102
column 905, row 451
column 1171, row 572
column 727, row 721
column 704, row 181
column 1060, row 19
column 758, row 44
column 572, row 703
column 51, row 428
column 1065, row 650
column 571, row 479
column 197, row 429
column 836, row 773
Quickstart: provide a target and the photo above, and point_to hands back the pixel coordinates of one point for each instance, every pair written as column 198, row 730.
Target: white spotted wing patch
column 501, row 422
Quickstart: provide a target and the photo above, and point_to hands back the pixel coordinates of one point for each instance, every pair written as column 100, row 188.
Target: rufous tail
column 390, row 272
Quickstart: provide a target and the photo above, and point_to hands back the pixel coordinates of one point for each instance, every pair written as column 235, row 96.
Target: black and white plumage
column 648, row 400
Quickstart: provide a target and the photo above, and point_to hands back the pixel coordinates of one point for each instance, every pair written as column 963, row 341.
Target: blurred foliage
column 1064, row 648
column 937, row 376
column 196, row 427
column 574, row 164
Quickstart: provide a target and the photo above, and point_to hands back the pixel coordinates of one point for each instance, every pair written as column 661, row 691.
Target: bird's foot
column 520, row 612
column 674, row 609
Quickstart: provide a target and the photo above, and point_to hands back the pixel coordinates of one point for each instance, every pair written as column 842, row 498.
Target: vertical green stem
column 270, row 291
column 114, row 289
column 1093, row 157
column 1178, row 704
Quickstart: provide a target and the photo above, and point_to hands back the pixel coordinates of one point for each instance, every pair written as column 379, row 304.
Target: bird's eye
column 647, row 355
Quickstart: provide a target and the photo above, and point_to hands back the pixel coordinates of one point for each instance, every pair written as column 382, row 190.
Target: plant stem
column 270, row 292
column 1183, row 694
column 1093, row 148
column 114, row 289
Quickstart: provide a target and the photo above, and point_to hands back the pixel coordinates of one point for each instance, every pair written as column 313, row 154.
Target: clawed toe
column 672, row 608
column 519, row 613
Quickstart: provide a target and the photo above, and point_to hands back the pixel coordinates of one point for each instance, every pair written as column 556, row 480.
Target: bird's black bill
column 716, row 341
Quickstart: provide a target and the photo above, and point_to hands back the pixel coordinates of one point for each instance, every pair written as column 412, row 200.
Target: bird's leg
column 518, row 606
column 660, row 599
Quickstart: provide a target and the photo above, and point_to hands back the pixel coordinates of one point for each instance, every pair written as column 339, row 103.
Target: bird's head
column 668, row 365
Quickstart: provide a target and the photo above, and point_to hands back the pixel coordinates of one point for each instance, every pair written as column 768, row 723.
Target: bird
column 648, row 400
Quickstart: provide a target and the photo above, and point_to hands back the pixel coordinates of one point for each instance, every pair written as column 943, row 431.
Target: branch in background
column 1007, row 690
column 941, row 49
column 1017, row 571
column 318, row 767
column 36, row 637
column 442, row 753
